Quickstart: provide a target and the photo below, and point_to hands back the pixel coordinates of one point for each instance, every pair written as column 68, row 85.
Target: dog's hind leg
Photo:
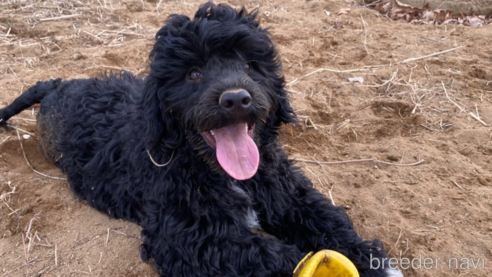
column 30, row 97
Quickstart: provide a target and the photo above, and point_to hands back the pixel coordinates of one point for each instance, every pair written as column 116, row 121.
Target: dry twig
column 331, row 196
column 326, row 69
column 4, row 140
column 59, row 17
column 477, row 116
column 430, row 55
column 456, row 184
column 456, row 104
column 359, row 161
column 364, row 23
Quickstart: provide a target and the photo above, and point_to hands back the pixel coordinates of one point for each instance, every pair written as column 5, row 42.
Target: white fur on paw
column 390, row 272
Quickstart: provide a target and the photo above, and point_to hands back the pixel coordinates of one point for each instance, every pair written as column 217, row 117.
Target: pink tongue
column 236, row 151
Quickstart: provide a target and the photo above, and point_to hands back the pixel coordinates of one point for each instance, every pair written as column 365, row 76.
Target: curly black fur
column 196, row 219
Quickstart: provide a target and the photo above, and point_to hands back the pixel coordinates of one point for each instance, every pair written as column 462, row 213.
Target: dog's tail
column 28, row 98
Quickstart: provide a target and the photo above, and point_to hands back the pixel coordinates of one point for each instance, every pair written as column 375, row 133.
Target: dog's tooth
column 212, row 132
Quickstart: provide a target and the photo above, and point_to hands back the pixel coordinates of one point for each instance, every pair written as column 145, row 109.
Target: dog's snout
column 235, row 100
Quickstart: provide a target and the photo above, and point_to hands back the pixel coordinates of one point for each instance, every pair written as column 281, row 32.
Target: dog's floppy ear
column 152, row 112
column 282, row 110
column 161, row 127
column 284, row 113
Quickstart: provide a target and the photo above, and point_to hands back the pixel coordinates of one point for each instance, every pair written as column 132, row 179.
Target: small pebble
column 482, row 181
column 393, row 158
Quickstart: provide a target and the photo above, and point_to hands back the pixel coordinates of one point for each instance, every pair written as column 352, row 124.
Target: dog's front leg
column 296, row 213
column 212, row 242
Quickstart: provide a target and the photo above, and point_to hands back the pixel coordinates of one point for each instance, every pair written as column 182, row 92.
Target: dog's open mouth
column 236, row 151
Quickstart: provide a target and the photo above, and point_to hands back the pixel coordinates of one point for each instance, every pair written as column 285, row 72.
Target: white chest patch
column 251, row 217
column 393, row 273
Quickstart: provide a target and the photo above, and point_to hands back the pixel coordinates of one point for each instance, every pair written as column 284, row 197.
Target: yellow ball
column 325, row 263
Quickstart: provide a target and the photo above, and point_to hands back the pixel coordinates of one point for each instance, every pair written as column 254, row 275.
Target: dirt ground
column 416, row 111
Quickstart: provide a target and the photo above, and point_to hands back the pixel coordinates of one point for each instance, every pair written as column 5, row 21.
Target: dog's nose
column 235, row 100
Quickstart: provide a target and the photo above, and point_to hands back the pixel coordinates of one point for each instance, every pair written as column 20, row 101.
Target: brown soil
column 441, row 208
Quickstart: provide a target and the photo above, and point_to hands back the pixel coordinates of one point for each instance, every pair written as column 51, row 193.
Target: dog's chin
column 235, row 149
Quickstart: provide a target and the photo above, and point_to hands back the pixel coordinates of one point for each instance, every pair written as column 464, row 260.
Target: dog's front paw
column 390, row 272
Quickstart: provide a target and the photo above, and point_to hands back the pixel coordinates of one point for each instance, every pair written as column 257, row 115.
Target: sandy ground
column 406, row 111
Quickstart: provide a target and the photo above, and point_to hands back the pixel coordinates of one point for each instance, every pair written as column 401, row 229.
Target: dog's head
column 216, row 83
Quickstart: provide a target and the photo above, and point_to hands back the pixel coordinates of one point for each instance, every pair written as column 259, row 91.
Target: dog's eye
column 195, row 74
column 247, row 67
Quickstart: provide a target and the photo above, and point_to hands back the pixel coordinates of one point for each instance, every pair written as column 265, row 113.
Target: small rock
column 27, row 210
column 466, row 151
column 483, row 181
column 7, row 234
column 393, row 158
column 356, row 79
column 79, row 56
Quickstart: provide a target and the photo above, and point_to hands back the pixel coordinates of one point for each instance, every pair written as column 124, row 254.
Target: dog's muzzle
column 236, row 151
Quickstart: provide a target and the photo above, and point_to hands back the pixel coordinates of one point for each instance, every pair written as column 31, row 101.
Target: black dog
column 190, row 153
